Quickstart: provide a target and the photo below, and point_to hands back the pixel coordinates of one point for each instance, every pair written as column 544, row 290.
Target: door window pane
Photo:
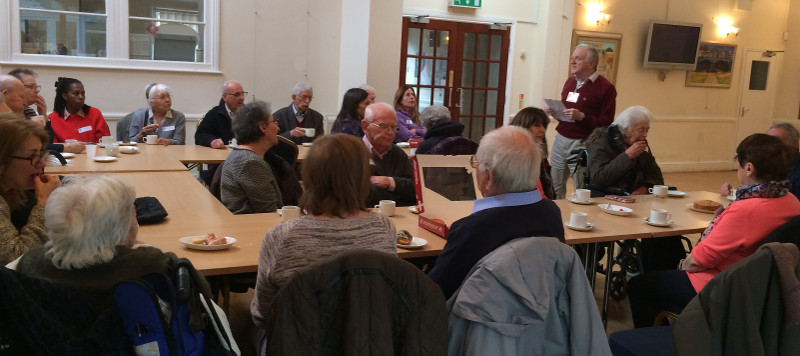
column 428, row 42
column 483, row 46
column 467, row 124
column 443, row 44
column 438, row 96
column 477, row 128
column 480, row 74
column 427, row 69
column 424, row 98
column 411, row 70
column 497, row 41
column 466, row 102
column 759, row 71
column 469, row 46
column 413, row 42
column 440, row 73
column 494, row 75
column 489, row 124
column 63, row 34
column 88, row 6
column 491, row 102
column 466, row 73
column 478, row 102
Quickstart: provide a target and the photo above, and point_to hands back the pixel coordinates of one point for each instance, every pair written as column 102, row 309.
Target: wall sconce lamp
column 725, row 27
column 596, row 16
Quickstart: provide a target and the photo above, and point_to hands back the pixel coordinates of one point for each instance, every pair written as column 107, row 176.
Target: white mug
column 233, row 143
column 583, row 195
column 660, row 216
column 151, row 139
column 386, row 207
column 107, row 140
column 91, row 150
column 289, row 212
column 311, row 132
column 112, row 150
column 578, row 219
column 659, row 190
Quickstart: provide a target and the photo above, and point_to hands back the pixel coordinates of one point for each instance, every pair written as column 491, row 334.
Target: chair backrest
column 529, row 296
column 286, row 149
column 285, row 174
column 358, row 303
column 456, row 145
column 124, row 127
column 214, row 185
column 789, row 232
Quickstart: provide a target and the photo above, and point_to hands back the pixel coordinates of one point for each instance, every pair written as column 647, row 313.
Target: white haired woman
column 619, row 157
column 158, row 119
column 436, row 120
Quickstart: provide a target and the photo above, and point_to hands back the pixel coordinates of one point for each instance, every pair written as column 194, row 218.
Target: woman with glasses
column 248, row 185
column 408, row 124
column 22, row 162
column 158, row 119
column 72, row 118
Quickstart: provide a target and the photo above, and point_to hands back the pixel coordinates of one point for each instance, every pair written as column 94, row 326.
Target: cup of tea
column 659, row 190
column 311, row 132
column 578, row 219
column 112, row 150
column 151, row 139
column 660, row 216
column 583, row 195
column 289, row 212
column 386, row 207
column 107, row 140
column 91, row 150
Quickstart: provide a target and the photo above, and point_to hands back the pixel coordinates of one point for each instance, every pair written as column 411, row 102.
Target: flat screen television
column 672, row 45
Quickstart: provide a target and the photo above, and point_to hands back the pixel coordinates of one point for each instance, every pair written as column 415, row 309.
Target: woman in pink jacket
column 762, row 204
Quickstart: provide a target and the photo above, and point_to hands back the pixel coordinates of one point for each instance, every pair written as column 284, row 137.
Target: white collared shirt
column 579, row 84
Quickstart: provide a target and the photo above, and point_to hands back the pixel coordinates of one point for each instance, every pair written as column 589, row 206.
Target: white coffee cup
column 112, row 150
column 91, row 150
column 107, row 140
column 659, row 190
column 289, row 212
column 72, row 140
column 578, row 219
column 311, row 132
column 660, row 216
column 386, row 207
column 583, row 195
column 151, row 139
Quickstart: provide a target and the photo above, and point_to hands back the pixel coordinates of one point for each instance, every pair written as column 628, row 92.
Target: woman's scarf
column 773, row 189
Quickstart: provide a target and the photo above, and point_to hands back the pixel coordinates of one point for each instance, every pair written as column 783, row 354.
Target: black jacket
column 216, row 124
column 437, row 133
column 287, row 122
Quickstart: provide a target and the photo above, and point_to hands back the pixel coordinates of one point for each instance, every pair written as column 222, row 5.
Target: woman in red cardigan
column 71, row 118
column 762, row 204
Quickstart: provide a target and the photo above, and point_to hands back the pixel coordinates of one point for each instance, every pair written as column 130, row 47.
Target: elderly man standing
column 392, row 175
column 294, row 119
column 215, row 130
column 15, row 94
column 507, row 169
column 590, row 100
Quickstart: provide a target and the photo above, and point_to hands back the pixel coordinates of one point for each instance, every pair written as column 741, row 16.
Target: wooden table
column 153, row 158
column 188, row 154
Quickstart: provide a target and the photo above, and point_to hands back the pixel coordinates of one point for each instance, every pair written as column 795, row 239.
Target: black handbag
column 149, row 210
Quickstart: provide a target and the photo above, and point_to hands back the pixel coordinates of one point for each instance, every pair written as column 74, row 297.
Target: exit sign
column 466, row 3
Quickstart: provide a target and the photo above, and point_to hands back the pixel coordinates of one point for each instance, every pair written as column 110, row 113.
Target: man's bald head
column 14, row 92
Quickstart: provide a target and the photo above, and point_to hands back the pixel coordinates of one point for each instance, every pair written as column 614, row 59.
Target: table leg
column 609, row 267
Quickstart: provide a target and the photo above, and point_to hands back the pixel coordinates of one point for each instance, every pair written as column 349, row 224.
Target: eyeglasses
column 385, row 127
column 305, row 98
column 36, row 157
column 473, row 162
column 241, row 93
column 33, row 87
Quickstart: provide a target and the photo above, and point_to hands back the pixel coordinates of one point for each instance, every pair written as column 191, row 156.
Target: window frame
column 117, row 43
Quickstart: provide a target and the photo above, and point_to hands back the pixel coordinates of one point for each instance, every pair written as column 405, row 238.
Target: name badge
column 572, row 97
column 84, row 129
column 168, row 128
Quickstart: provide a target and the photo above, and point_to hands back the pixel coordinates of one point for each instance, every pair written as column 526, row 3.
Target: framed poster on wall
column 714, row 66
column 608, row 46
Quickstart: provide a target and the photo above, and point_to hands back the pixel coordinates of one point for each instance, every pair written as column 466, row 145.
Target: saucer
column 307, row 144
column 588, row 227
column 403, row 144
column 647, row 220
column 413, row 209
column 67, row 154
column 104, row 159
column 129, row 149
column 676, row 193
column 576, row 201
column 131, row 143
column 615, row 209
column 416, row 242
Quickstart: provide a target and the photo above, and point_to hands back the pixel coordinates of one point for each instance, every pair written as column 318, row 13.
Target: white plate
column 403, row 144
column 416, row 242
column 676, row 193
column 104, row 159
column 187, row 241
column 133, row 143
column 307, row 144
column 589, row 226
column 691, row 206
column 129, row 149
column 615, row 209
column 67, row 154
column 576, row 201
column 648, row 222
column 413, row 209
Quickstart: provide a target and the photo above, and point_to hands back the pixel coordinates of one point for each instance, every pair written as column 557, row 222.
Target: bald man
column 14, row 92
column 393, row 178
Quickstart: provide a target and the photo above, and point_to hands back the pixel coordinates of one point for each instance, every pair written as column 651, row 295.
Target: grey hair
column 370, row 112
column 86, row 219
column 513, row 156
column 245, row 128
column 227, row 82
column 158, row 88
column 367, row 88
column 794, row 135
column 433, row 115
column 301, row 87
column 594, row 56
column 632, row 116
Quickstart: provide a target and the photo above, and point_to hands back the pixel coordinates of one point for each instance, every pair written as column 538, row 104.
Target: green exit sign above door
column 466, row 3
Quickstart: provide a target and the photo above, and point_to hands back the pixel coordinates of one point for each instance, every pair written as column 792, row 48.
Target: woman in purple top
column 408, row 124
column 354, row 104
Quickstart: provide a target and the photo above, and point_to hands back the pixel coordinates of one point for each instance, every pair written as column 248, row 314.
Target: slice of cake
column 706, row 205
